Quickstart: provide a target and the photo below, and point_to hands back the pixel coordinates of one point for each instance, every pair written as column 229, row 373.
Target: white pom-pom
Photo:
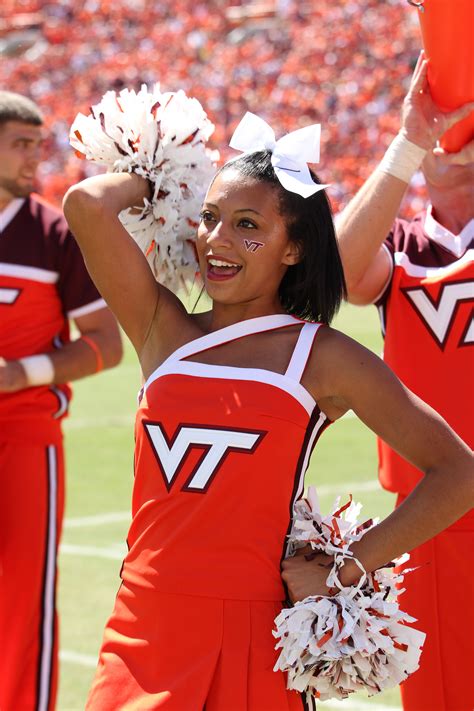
column 356, row 639
column 162, row 137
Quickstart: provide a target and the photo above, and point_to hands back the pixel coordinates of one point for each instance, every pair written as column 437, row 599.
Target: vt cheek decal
column 252, row 246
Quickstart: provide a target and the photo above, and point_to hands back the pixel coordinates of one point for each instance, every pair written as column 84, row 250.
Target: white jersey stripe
column 47, row 631
column 9, row 296
column 302, row 351
column 232, row 333
column 18, row 271
column 416, row 270
column 322, row 419
column 175, row 364
column 63, row 403
column 87, row 309
column 10, row 212
column 469, row 337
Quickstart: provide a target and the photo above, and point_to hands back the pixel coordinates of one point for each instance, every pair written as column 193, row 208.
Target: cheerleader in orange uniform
column 233, row 404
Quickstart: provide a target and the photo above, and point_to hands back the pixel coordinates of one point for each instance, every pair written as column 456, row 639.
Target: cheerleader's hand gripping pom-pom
column 162, row 137
column 356, row 639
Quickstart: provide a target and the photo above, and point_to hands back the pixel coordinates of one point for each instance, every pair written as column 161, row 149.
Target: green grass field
column 99, row 444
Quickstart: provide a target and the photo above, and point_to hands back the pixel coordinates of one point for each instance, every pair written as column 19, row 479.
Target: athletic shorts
column 186, row 653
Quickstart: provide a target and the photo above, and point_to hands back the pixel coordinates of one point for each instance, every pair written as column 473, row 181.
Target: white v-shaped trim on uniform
column 11, row 210
column 289, row 381
column 232, row 333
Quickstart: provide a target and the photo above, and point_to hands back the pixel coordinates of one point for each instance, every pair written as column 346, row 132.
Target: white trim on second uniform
column 235, row 331
column 416, row 270
column 320, row 422
column 63, row 402
column 10, row 211
column 302, row 351
column 49, row 585
column 87, row 309
column 456, row 244
column 19, row 271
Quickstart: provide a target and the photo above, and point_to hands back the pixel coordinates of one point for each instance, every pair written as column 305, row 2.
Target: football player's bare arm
column 345, row 375
column 366, row 221
column 115, row 262
column 98, row 348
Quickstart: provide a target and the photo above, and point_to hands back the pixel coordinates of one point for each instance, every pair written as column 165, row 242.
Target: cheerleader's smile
column 219, row 269
column 242, row 242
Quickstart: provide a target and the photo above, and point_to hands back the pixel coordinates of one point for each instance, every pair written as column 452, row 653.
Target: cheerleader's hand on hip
column 306, row 573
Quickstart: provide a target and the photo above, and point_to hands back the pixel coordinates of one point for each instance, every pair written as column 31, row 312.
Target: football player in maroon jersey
column 43, row 285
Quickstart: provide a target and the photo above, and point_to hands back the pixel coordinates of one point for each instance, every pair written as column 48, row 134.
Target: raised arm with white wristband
column 420, row 273
column 364, row 224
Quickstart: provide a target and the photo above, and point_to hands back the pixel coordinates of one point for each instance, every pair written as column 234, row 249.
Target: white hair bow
column 290, row 154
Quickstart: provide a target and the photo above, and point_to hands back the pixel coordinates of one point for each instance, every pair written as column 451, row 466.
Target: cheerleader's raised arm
column 116, row 263
column 137, row 224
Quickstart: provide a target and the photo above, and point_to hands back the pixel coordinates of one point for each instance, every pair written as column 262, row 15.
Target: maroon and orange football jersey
column 427, row 318
column 43, row 283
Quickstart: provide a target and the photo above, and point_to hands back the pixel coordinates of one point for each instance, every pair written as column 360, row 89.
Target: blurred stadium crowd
column 343, row 63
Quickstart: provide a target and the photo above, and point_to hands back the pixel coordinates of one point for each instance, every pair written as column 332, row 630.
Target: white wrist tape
column 39, row 369
column 402, row 158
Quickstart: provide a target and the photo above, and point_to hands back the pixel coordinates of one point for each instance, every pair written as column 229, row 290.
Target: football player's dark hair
column 313, row 288
column 16, row 107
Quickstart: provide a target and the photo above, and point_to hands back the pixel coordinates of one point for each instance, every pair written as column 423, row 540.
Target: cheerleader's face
column 242, row 243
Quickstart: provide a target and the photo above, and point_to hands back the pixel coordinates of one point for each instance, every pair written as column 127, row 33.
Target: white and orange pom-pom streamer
column 162, row 137
column 356, row 639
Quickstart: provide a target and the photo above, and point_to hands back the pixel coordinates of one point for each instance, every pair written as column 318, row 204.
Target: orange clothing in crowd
column 345, row 65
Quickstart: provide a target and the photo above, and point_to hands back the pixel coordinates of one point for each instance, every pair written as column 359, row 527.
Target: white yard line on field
column 125, row 516
column 79, row 423
column 345, row 487
column 354, row 704
column 83, row 660
column 351, row 704
column 98, row 519
column 127, row 419
column 117, row 552
column 110, row 553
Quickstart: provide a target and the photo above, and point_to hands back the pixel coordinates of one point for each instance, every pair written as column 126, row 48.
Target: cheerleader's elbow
column 77, row 200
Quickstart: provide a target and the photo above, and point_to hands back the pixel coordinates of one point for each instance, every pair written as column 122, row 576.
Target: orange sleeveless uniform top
column 220, row 457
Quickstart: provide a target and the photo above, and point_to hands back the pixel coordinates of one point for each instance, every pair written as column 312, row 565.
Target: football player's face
column 20, row 154
column 242, row 244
